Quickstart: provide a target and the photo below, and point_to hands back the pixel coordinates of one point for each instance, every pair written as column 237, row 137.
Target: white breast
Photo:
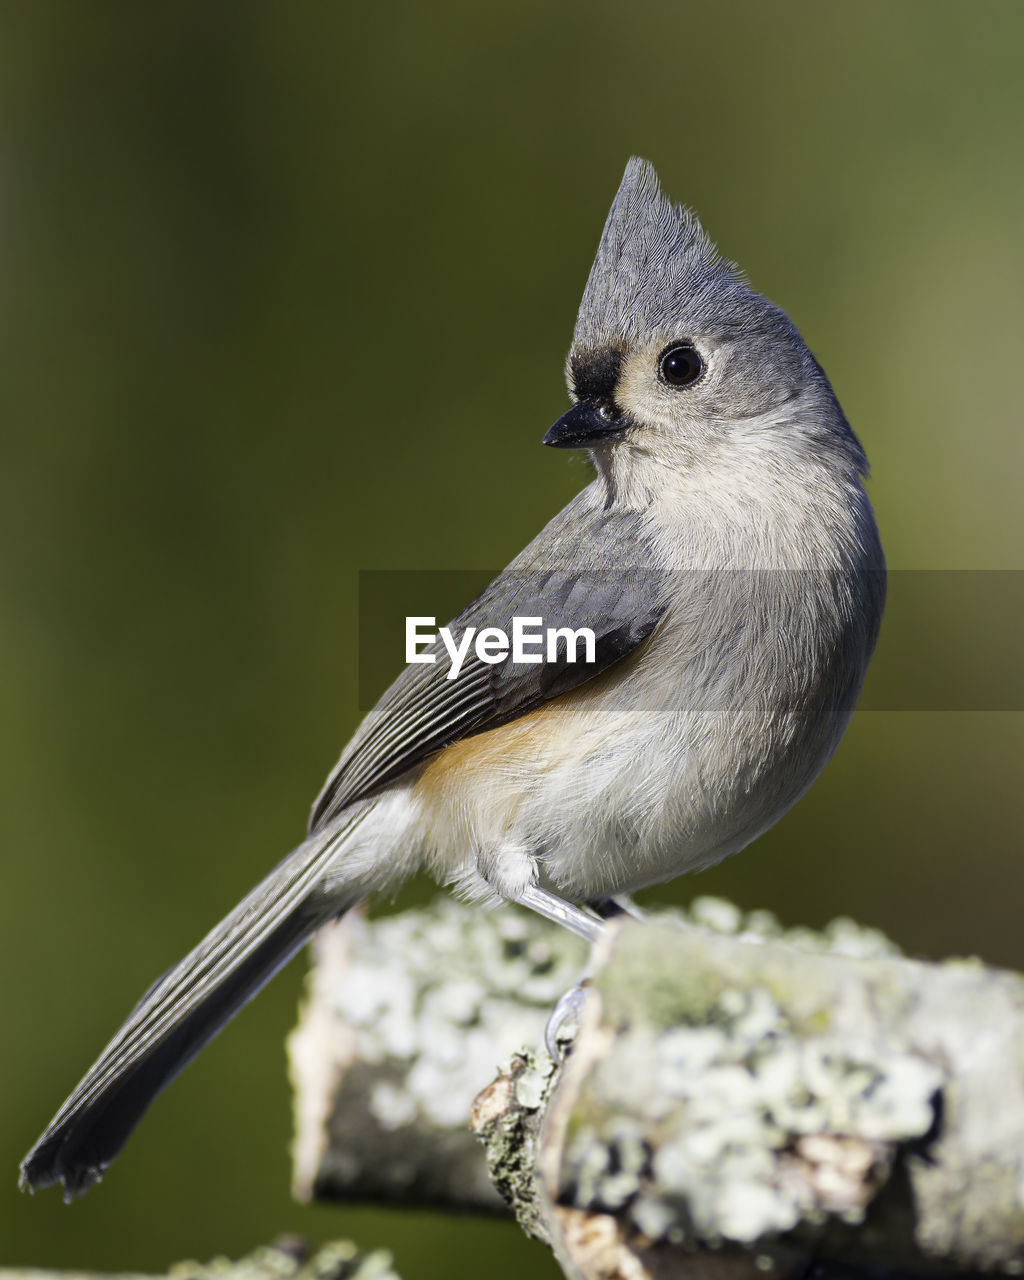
column 686, row 751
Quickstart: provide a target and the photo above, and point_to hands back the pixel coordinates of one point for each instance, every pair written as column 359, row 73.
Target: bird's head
column 674, row 356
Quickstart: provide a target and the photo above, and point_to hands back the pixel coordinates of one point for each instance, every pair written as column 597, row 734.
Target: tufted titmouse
column 726, row 560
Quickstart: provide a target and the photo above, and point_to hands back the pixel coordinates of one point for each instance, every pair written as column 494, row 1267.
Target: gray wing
column 589, row 567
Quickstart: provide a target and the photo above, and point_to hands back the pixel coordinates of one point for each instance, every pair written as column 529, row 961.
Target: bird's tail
column 181, row 1013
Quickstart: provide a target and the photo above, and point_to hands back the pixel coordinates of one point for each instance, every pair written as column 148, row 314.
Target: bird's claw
column 563, row 1022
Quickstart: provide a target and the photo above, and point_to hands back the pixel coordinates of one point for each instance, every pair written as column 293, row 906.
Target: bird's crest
column 655, row 266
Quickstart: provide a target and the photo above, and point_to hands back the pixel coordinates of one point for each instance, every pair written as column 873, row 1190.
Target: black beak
column 587, row 423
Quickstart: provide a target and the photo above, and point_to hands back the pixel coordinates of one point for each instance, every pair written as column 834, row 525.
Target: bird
column 726, row 559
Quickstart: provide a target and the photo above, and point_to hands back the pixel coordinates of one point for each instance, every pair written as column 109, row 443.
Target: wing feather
column 589, row 567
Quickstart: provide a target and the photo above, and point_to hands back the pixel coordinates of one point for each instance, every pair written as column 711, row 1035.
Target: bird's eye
column 680, row 365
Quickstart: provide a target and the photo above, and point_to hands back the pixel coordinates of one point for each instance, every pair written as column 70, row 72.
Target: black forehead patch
column 595, row 373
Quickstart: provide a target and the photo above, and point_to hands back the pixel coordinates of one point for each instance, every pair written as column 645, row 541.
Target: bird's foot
column 564, row 1021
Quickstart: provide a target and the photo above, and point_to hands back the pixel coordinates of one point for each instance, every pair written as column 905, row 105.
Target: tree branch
column 407, row 1018
column 286, row 1260
column 738, row 1099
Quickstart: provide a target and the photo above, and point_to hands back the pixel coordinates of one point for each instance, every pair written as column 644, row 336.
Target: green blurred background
column 284, row 293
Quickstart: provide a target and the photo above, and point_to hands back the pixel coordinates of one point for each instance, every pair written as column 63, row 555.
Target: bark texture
column 739, row 1099
column 407, row 1018
column 286, row 1260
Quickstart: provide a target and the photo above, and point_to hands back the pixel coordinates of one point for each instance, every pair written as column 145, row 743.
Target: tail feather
column 180, row 1014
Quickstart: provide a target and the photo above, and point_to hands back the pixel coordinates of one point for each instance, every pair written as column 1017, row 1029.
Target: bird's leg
column 587, row 922
column 619, row 904
column 570, row 1006
column 552, row 907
